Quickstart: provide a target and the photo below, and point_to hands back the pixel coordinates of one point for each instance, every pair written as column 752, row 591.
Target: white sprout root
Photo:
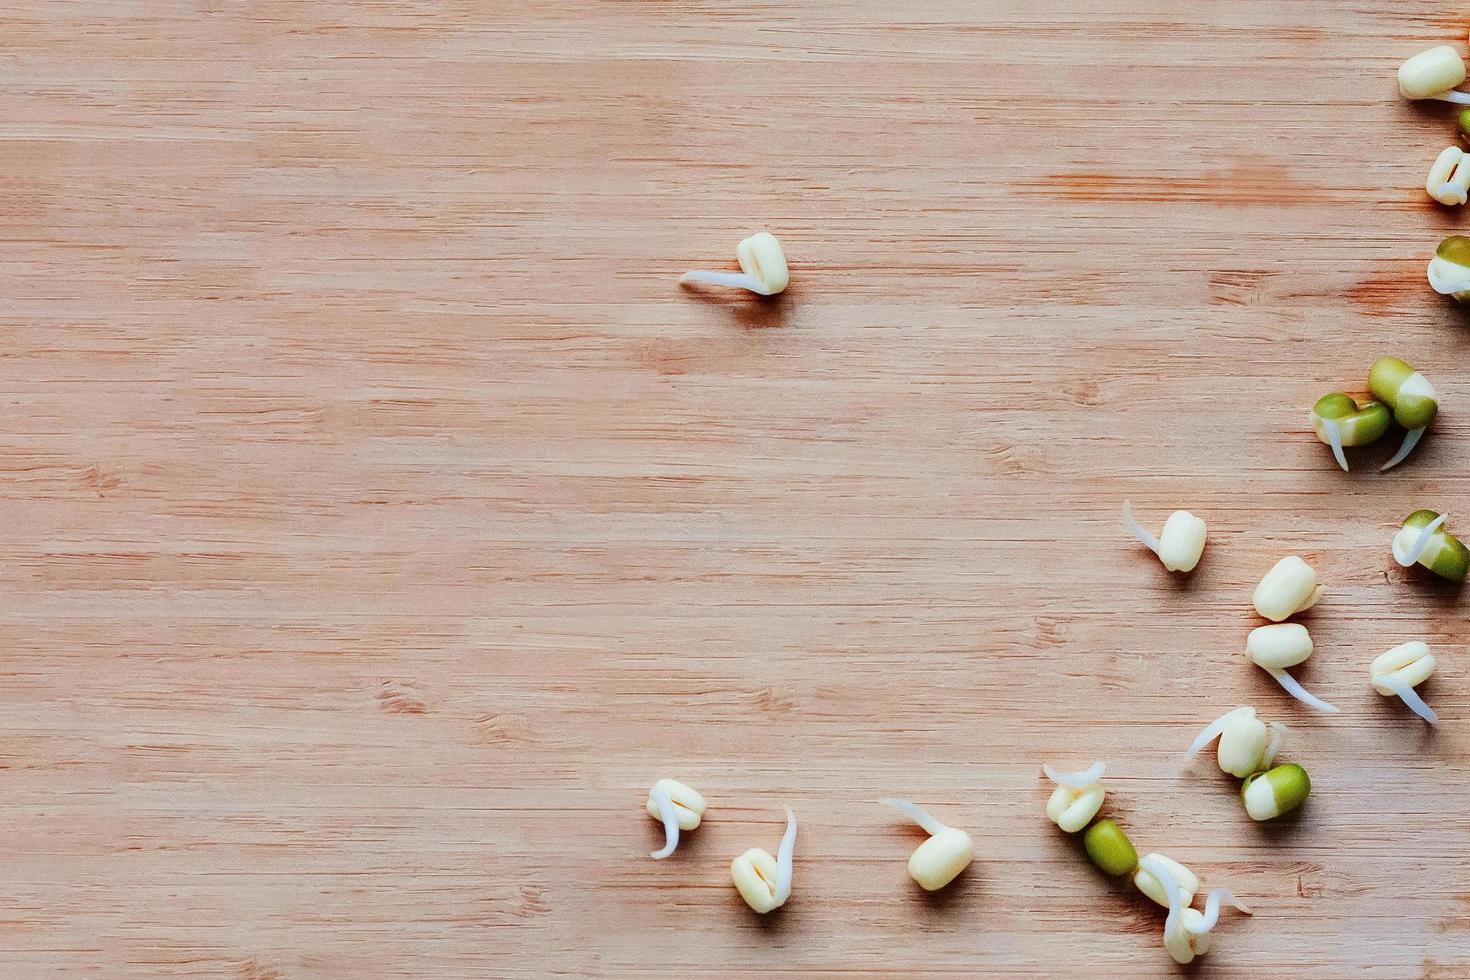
column 917, row 814
column 1295, row 689
column 1273, row 746
column 1165, row 877
column 669, row 813
column 1411, row 439
column 1212, row 731
column 1420, row 543
column 1409, row 696
column 738, row 279
column 1076, row 780
column 1334, row 439
column 783, row 858
column 1138, row 530
column 1212, row 910
column 1457, row 97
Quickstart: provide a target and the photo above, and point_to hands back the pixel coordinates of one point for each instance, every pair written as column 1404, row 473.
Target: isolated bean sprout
column 1416, row 552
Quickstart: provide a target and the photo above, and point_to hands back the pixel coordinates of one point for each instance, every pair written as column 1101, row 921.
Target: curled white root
column 1334, row 439
column 669, row 814
column 1212, row 731
column 783, row 859
column 1411, row 439
column 1165, row 877
column 738, row 279
column 1295, row 689
column 1212, row 910
column 1416, row 551
column 1138, row 530
column 918, row 814
column 1076, row 780
column 1409, row 696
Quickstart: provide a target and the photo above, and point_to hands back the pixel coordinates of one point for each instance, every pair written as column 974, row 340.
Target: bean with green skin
column 1406, row 391
column 1411, row 397
column 1445, row 556
column 1462, row 123
column 1449, row 270
column 1269, row 794
column 1109, row 848
column 1359, row 421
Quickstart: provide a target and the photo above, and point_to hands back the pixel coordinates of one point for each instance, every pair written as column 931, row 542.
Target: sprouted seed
column 1411, row 397
column 1423, row 540
column 1398, row 671
column 947, row 852
column 1288, row 588
column 1341, row 420
column 1181, row 543
column 1408, row 554
column 1449, row 177
column 1186, row 932
column 762, row 265
column 1449, row 270
column 1246, row 744
column 1433, row 74
column 764, row 881
column 1269, row 794
column 1077, row 798
column 1148, row 883
column 1279, row 646
column 679, row 807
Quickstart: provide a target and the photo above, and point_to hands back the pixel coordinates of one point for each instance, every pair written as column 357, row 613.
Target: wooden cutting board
column 381, row 519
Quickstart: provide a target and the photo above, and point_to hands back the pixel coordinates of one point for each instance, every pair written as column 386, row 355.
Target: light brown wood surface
column 380, row 519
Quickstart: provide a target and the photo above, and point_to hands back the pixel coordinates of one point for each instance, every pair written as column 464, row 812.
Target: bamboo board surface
column 381, row 520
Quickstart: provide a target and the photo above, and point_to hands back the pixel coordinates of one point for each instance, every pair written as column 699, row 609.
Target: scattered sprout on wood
column 1409, row 395
column 1186, row 931
column 1288, row 588
column 764, row 881
column 1433, row 74
column 762, row 265
column 1149, row 883
column 1341, row 420
column 1398, row 671
column 1269, row 794
column 1449, row 270
column 1180, row 544
column 1279, row 646
column 1246, row 744
column 1449, row 177
column 947, row 852
column 1423, row 540
column 679, row 807
column 1077, row 798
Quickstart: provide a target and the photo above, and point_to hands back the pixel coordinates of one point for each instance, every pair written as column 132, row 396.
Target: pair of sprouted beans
column 1433, row 75
column 1291, row 587
column 1075, row 802
column 765, row 881
column 1399, row 394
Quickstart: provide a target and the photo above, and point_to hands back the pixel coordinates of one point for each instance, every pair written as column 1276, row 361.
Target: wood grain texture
column 381, row 520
